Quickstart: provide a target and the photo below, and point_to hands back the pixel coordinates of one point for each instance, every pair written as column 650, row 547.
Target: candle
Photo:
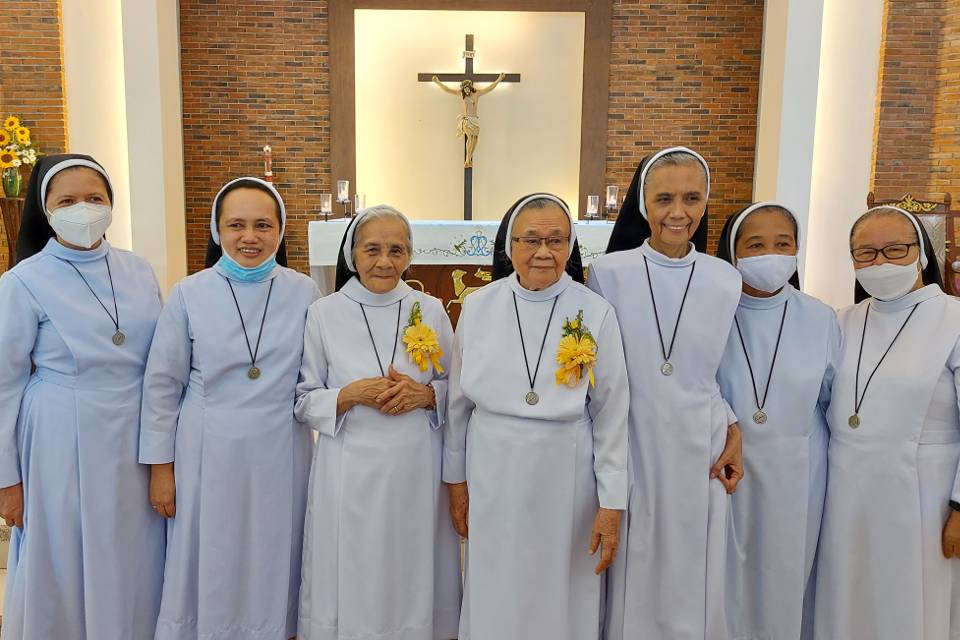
column 613, row 191
column 267, row 163
column 359, row 202
column 343, row 191
column 326, row 203
column 593, row 203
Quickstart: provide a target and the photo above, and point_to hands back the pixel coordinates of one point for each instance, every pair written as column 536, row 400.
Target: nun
column 381, row 559
column 887, row 564
column 776, row 373
column 86, row 552
column 535, row 449
column 677, row 306
column 229, row 462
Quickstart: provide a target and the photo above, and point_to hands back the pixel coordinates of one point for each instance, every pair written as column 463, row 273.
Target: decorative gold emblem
column 909, row 203
column 460, row 289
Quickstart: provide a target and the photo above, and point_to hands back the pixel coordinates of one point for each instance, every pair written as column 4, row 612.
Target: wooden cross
column 468, row 74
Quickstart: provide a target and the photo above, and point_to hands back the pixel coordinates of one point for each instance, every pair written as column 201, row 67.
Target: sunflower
column 7, row 158
column 11, row 123
column 23, row 135
column 423, row 346
column 4, row 137
column 575, row 354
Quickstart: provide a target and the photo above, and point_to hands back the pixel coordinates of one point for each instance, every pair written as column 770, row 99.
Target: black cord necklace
column 760, row 416
column 667, row 367
column 396, row 337
column 118, row 337
column 532, row 398
column 253, row 372
column 854, row 420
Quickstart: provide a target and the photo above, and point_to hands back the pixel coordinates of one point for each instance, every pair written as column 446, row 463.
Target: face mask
column 239, row 273
column 769, row 272
column 81, row 224
column 888, row 281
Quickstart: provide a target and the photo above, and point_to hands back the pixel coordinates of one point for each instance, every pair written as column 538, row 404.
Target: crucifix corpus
column 468, row 122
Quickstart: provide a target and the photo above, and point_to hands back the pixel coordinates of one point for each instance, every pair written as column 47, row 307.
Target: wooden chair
column 941, row 222
column 11, row 209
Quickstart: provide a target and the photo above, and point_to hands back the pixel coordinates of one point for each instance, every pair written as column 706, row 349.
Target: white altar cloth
column 439, row 242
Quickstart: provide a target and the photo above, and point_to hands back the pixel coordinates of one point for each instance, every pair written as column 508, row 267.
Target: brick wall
column 917, row 133
column 256, row 70
column 31, row 77
column 686, row 73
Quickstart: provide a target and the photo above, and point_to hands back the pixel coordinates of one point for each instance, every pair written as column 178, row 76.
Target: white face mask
column 888, row 281
column 769, row 272
column 81, row 224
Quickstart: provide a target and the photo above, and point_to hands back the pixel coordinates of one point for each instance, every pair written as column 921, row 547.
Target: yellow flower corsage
column 422, row 342
column 577, row 353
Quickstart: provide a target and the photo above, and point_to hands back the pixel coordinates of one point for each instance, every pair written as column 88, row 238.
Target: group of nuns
column 678, row 447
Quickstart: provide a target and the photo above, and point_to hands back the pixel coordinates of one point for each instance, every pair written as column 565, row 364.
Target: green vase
column 12, row 182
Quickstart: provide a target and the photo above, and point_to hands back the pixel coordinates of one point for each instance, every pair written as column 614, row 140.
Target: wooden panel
column 343, row 119
column 11, row 210
column 450, row 283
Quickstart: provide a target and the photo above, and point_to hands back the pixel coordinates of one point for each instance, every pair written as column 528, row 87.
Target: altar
column 451, row 258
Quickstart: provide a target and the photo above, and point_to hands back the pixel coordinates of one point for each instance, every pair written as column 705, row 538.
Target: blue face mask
column 246, row 274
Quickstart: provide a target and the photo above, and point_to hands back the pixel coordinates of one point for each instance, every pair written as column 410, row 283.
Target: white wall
column 407, row 152
column 789, row 86
column 154, row 134
column 815, row 142
column 122, row 77
column 95, row 98
column 844, row 141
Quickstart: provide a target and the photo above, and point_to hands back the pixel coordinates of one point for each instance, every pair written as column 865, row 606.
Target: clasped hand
column 394, row 394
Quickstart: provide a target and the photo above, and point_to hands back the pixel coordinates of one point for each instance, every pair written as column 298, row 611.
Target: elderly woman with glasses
column 891, row 525
column 535, row 448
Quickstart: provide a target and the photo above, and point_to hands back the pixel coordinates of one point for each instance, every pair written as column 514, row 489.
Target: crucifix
column 468, row 123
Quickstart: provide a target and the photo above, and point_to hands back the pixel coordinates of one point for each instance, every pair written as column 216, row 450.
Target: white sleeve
column 440, row 382
column 833, row 358
column 953, row 363
column 19, row 326
column 609, row 405
column 459, row 410
column 166, row 376
column 316, row 404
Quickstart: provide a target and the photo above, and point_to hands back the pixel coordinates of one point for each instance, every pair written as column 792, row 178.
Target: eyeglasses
column 532, row 243
column 890, row 252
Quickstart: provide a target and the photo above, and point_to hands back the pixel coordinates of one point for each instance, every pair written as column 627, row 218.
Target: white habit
column 778, row 505
column 881, row 571
column 536, row 474
column 668, row 580
column 381, row 559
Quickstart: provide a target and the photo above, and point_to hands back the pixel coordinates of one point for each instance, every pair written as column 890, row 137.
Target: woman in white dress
column 535, row 451
column 887, row 567
column 676, row 307
column 381, row 559
column 776, row 373
column 76, row 319
column 229, row 462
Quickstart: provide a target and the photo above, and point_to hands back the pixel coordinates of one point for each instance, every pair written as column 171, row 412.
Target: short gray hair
column 674, row 159
column 380, row 212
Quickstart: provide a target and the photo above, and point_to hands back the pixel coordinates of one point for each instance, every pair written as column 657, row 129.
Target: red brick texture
column 687, row 73
column 256, row 71
column 917, row 137
column 31, row 77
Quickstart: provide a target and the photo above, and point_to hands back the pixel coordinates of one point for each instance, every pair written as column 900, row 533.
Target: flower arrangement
column 16, row 150
column 577, row 353
column 422, row 342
